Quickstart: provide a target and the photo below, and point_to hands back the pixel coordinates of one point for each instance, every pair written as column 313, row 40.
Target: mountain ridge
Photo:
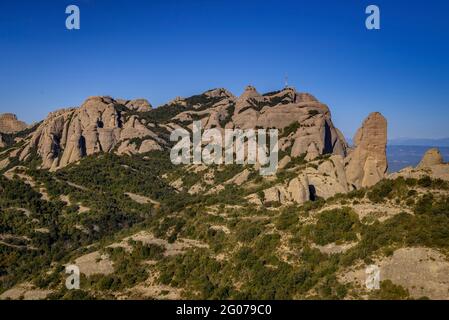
column 94, row 186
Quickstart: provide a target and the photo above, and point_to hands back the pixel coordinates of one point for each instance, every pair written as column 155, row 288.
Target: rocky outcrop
column 306, row 120
column 328, row 178
column 103, row 124
column 298, row 189
column 275, row 194
column 431, row 157
column 139, row 105
column 367, row 162
column 99, row 125
column 2, row 142
column 239, row 178
column 284, row 162
column 10, row 124
column 431, row 165
column 304, row 123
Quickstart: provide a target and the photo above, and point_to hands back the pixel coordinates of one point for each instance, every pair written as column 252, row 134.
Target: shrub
column 390, row 291
column 336, row 225
column 381, row 191
column 292, row 128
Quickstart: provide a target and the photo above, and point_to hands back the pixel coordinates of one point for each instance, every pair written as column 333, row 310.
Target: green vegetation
column 291, row 128
column 234, row 250
column 313, row 113
column 389, row 291
column 336, row 225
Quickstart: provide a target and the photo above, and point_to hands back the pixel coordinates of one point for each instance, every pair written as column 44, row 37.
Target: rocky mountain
column 10, row 124
column 103, row 124
column 94, row 186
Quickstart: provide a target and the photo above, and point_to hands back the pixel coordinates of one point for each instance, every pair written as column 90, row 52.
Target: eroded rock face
column 431, row 165
column 275, row 194
column 99, row 125
column 240, row 178
column 328, row 179
column 294, row 191
column 367, row 162
column 140, row 105
column 431, row 157
column 298, row 189
column 305, row 121
column 103, row 124
column 10, row 124
column 2, row 142
column 314, row 133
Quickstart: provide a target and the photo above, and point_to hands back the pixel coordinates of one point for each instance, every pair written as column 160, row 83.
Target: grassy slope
column 247, row 253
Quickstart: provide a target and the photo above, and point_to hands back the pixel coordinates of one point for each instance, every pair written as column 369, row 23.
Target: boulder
column 298, row 189
column 275, row 194
column 239, row 178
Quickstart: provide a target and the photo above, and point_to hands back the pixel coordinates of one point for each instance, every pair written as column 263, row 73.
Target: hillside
column 94, row 186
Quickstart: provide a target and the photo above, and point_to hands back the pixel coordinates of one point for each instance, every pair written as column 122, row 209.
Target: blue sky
column 162, row 49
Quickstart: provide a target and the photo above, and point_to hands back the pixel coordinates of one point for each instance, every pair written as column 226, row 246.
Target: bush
column 292, row 128
column 336, row 225
column 381, row 191
column 390, row 291
column 425, row 182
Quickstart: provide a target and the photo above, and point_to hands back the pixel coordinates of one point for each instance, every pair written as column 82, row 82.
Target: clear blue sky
column 162, row 49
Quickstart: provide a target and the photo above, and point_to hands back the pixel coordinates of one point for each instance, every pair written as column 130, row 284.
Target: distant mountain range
column 443, row 142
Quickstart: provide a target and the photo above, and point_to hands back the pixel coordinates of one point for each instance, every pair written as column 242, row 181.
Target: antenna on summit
column 286, row 81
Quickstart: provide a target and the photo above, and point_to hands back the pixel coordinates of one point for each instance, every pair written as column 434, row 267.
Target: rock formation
column 99, row 125
column 431, row 157
column 367, row 162
column 305, row 123
column 139, row 105
column 10, row 124
column 298, row 189
column 431, row 165
column 103, row 124
column 365, row 165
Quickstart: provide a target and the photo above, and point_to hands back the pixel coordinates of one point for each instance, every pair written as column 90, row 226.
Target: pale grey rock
column 367, row 163
column 10, row 124
column 431, row 157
